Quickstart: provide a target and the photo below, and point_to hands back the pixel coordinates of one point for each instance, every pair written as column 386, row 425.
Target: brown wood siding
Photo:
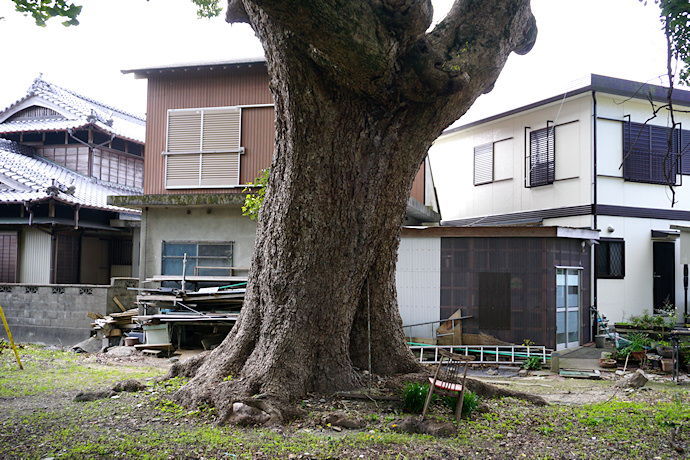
column 531, row 264
column 8, row 257
column 220, row 87
column 417, row 191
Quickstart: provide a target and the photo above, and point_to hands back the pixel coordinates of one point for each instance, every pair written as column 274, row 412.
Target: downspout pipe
column 595, row 223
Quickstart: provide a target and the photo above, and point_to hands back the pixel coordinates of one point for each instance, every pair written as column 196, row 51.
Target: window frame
column 196, row 160
column 650, row 147
column 543, row 138
column 196, row 257
column 607, row 242
column 485, row 153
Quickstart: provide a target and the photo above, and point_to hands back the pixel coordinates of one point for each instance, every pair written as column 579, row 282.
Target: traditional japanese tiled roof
column 76, row 112
column 27, row 178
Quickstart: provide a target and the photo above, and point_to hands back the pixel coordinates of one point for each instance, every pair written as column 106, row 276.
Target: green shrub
column 414, row 396
column 532, row 363
column 469, row 402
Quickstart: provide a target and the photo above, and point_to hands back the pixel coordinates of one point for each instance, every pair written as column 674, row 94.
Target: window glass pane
column 179, row 249
column 215, row 250
column 560, row 327
column 573, row 328
column 172, row 267
column 616, row 258
column 610, row 259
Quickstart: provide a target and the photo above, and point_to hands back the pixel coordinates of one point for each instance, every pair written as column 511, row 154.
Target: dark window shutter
column 484, row 164
column 645, row 154
column 542, row 156
column 8, row 257
column 67, row 259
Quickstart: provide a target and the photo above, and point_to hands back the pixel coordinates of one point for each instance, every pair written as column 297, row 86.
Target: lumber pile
column 112, row 327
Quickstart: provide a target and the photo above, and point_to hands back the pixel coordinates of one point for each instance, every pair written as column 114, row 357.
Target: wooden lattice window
column 541, row 162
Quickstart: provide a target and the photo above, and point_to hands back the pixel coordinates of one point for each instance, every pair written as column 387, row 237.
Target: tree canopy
column 42, row 10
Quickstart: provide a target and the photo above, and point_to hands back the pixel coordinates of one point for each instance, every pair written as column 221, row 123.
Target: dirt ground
column 585, row 419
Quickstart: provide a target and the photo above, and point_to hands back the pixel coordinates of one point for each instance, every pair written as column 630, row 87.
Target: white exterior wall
column 418, row 282
column 633, row 295
column 34, row 256
column 452, row 160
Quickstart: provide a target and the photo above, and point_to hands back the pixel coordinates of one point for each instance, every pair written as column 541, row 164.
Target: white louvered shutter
column 203, row 148
column 182, row 171
column 184, row 131
column 221, row 129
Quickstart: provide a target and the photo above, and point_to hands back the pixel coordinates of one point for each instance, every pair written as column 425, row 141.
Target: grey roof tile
column 24, row 177
column 81, row 111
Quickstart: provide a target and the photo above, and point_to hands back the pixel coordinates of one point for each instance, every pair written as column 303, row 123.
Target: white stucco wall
column 208, row 224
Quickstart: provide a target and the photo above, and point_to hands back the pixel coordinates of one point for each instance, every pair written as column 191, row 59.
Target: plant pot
column 664, row 351
column 666, row 365
column 607, row 363
column 638, row 355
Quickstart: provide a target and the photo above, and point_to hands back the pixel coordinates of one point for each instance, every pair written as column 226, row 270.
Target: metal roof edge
column 599, row 83
column 502, row 232
column 144, row 71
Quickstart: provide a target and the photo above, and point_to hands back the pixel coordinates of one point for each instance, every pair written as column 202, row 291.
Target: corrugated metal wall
column 34, row 261
column 418, row 281
column 258, row 135
column 223, row 86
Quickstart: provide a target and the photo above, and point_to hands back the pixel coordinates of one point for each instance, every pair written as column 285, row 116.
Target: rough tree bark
column 361, row 91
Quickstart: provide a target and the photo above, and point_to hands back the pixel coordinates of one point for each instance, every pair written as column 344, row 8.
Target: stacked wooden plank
column 114, row 325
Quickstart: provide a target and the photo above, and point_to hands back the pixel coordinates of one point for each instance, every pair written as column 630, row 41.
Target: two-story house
column 61, row 155
column 596, row 158
column 210, row 132
column 65, row 253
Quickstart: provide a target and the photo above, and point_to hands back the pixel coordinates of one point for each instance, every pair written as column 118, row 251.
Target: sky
column 617, row 38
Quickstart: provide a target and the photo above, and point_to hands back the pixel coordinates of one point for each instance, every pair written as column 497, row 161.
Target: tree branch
column 472, row 42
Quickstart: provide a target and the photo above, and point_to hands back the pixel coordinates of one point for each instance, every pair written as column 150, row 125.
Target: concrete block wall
column 55, row 314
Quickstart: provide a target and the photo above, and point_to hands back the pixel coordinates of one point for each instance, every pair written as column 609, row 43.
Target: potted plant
column 667, row 364
column 664, row 349
column 638, row 342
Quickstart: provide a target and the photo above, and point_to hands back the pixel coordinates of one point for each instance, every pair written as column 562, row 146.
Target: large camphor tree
column 361, row 91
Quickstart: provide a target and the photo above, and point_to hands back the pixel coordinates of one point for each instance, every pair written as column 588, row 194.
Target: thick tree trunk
column 321, row 299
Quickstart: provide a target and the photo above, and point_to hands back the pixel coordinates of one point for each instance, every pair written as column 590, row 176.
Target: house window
column 484, row 164
column 203, row 259
column 494, row 300
column 611, row 259
column 203, row 148
column 493, row 161
column 646, row 155
column 541, row 164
